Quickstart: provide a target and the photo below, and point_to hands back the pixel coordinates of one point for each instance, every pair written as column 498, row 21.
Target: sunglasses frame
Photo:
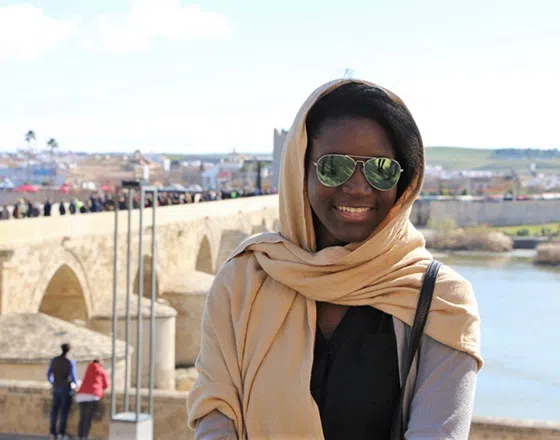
column 363, row 162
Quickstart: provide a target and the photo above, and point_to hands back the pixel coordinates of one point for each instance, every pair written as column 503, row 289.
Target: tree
column 30, row 136
column 52, row 144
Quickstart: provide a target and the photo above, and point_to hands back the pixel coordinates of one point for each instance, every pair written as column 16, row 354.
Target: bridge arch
column 147, row 282
column 64, row 297
column 204, row 256
column 63, row 289
column 230, row 239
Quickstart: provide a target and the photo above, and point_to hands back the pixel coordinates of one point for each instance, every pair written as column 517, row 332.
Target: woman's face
column 352, row 136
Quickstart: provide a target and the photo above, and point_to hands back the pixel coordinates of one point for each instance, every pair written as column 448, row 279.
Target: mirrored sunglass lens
column 334, row 170
column 382, row 173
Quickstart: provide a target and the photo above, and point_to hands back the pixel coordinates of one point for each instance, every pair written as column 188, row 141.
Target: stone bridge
column 69, row 259
column 63, row 267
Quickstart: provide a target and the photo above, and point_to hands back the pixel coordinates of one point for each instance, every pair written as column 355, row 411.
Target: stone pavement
column 22, row 437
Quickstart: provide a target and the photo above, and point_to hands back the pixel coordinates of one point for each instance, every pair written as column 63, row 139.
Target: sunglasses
column 335, row 169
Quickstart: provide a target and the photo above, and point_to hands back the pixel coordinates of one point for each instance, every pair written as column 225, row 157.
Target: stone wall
column 487, row 213
column 25, row 409
column 25, row 406
column 484, row 428
column 38, row 371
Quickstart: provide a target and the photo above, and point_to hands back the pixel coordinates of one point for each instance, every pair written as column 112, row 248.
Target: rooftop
column 36, row 338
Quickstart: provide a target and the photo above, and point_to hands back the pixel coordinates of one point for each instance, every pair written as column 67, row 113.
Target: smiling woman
column 305, row 333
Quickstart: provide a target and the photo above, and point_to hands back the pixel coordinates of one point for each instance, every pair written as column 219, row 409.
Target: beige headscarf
column 260, row 319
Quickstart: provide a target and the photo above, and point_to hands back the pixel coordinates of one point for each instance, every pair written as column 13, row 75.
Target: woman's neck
column 324, row 238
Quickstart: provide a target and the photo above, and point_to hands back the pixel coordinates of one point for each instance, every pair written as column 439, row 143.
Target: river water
column 519, row 305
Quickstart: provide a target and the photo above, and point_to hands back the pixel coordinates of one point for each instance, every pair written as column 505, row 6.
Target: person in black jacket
column 62, row 376
column 4, row 213
column 47, row 208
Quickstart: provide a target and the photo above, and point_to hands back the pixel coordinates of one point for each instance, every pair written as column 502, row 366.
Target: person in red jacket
column 90, row 393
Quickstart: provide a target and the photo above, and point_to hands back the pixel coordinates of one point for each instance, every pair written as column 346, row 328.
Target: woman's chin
column 353, row 235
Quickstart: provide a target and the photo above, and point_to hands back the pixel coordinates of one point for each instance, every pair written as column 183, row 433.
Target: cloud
column 26, row 32
column 159, row 19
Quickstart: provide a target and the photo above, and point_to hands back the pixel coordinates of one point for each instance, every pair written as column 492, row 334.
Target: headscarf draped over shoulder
column 260, row 318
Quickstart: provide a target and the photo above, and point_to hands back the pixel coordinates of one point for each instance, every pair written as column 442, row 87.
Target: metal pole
column 152, row 305
column 127, row 312
column 114, row 332
column 139, row 316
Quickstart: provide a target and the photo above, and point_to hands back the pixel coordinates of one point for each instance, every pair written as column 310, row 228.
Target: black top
column 355, row 379
column 61, row 368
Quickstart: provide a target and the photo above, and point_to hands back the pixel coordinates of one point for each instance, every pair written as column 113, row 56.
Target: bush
column 548, row 253
column 445, row 224
column 468, row 240
column 523, row 232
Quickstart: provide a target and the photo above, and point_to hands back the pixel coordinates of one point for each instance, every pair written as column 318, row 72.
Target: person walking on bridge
column 62, row 376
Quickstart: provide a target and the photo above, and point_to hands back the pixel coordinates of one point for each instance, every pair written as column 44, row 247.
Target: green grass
column 452, row 157
column 530, row 230
column 481, row 159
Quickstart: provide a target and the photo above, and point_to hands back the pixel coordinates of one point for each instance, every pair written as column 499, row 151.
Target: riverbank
column 446, row 236
column 543, row 255
column 487, row 241
column 528, row 255
column 549, row 254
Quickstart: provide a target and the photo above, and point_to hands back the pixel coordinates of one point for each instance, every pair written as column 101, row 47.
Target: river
column 519, row 305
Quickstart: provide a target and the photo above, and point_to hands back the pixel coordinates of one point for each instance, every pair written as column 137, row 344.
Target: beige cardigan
column 438, row 401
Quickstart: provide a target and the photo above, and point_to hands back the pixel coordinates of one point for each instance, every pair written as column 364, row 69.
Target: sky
column 179, row 77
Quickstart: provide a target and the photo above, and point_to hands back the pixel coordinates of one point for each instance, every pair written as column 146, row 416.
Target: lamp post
column 137, row 424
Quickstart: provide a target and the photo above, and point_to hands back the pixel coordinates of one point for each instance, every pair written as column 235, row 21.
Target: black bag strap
column 420, row 318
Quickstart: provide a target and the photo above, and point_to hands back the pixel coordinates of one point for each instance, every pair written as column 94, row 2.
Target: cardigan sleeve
column 219, row 375
column 443, row 398
column 215, row 426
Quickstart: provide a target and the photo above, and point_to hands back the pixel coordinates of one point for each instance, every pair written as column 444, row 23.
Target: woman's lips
column 353, row 213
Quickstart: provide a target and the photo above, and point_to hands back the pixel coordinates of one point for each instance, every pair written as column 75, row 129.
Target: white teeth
column 353, row 210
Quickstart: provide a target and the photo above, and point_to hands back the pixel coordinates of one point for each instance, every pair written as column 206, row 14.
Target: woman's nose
column 357, row 185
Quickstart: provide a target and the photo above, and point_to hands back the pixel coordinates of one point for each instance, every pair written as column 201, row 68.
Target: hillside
column 496, row 160
column 453, row 158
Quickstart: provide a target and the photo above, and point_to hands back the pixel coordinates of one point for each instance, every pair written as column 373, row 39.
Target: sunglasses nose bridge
column 355, row 182
column 363, row 162
column 362, row 167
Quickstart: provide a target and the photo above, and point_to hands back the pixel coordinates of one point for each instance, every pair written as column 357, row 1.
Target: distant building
column 219, row 175
column 191, row 172
column 36, row 174
column 278, row 146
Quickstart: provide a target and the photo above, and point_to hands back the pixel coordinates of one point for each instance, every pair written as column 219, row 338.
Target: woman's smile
column 354, row 214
